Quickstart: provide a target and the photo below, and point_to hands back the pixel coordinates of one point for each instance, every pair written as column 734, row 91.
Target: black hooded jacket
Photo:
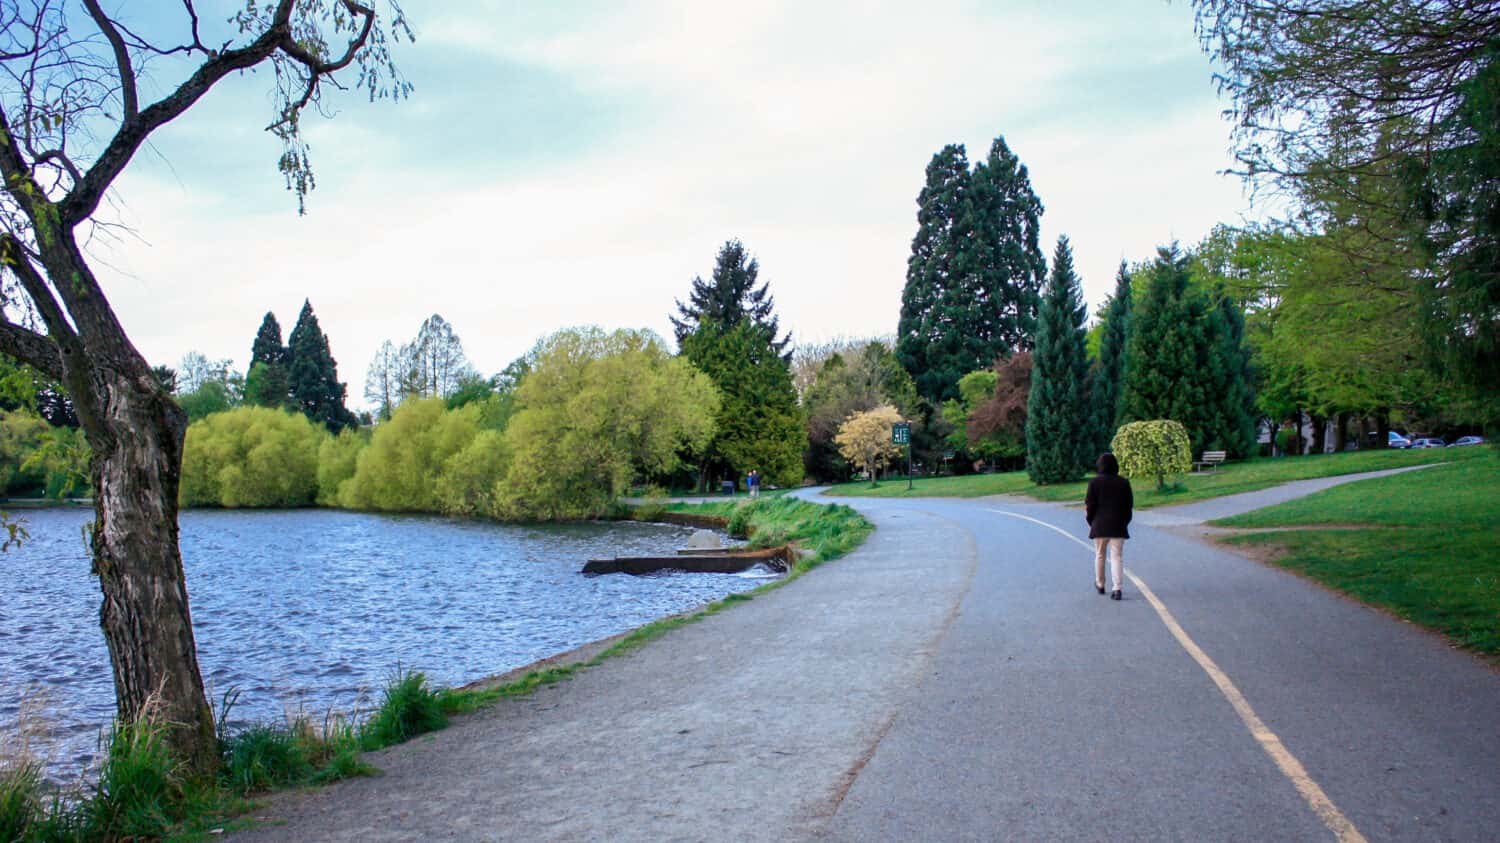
column 1109, row 502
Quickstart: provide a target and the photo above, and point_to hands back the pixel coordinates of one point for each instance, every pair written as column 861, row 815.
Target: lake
column 314, row 610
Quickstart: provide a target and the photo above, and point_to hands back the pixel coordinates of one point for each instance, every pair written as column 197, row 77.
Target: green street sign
column 901, row 434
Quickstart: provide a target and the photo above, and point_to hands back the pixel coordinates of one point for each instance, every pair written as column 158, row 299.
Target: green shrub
column 741, row 519
column 337, row 458
column 400, row 469
column 251, row 457
column 467, row 483
column 264, row 756
column 410, row 708
column 1158, row 449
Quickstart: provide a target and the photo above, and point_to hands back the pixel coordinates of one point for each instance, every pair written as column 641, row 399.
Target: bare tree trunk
column 1319, row 443
column 145, row 616
column 1383, row 429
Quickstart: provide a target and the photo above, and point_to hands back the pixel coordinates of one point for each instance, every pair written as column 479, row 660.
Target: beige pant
column 1117, row 561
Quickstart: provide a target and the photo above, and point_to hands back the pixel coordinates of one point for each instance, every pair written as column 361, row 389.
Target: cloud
column 578, row 164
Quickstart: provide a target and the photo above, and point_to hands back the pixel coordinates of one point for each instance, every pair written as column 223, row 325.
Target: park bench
column 1210, row 461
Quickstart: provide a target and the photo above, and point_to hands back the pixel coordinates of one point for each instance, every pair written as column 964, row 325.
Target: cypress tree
column 313, row 374
column 1185, row 360
column 730, row 298
column 267, row 347
column 1109, row 377
column 1059, row 429
column 1005, row 262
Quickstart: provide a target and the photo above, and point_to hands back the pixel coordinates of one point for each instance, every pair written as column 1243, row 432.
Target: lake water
column 315, row 609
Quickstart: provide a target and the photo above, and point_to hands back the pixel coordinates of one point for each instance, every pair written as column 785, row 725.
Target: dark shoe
column 1115, row 595
column 1100, row 587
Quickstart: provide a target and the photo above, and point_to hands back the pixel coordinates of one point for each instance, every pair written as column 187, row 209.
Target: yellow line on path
column 1343, row 830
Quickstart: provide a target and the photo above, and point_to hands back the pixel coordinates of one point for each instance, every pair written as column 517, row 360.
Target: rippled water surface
column 315, row 609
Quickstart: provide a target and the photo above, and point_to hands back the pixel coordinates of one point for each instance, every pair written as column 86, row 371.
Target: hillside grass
column 1421, row 546
column 1232, row 478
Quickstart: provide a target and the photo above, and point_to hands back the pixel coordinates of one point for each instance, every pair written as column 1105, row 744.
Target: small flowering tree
column 1158, row 448
column 864, row 439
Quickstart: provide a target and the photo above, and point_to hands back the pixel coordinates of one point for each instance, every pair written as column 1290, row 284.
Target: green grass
column 1424, row 549
column 1232, row 478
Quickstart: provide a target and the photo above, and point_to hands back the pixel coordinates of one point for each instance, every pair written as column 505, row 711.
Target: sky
column 565, row 163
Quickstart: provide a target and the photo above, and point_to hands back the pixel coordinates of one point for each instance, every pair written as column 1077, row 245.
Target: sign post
column 901, row 435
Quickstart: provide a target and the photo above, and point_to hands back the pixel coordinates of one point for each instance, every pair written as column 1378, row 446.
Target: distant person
column 752, row 482
column 1107, row 506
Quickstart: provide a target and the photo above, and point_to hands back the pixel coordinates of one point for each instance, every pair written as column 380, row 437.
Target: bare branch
column 122, row 58
column 317, row 69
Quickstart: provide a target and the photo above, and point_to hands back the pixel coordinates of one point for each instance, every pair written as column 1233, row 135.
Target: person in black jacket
column 1107, row 506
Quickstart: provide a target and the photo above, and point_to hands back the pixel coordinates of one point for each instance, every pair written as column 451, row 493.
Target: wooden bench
column 1210, row 461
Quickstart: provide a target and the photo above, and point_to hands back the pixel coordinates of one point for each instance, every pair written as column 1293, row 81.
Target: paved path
column 959, row 679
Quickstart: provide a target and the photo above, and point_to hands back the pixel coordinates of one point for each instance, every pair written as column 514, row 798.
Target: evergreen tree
column 267, row 382
column 1185, row 361
column 729, row 299
column 1059, row 423
column 1005, row 265
column 974, row 272
column 760, row 425
column 267, row 347
column 313, row 374
column 1109, row 377
column 927, row 343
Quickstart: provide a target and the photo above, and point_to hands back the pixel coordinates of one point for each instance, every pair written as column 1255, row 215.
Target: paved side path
column 748, row 725
column 959, row 679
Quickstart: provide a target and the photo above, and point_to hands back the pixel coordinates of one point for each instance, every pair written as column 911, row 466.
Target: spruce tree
column 729, row 298
column 729, row 331
column 1109, row 377
column 313, row 374
column 1059, row 429
column 1185, row 360
column 974, row 271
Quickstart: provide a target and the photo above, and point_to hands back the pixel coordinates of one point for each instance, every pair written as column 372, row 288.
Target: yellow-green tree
column 338, row 457
column 865, row 439
column 401, row 468
column 251, row 457
column 596, row 411
column 1158, row 448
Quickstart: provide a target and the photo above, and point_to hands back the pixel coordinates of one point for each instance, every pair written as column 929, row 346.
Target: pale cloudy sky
column 567, row 163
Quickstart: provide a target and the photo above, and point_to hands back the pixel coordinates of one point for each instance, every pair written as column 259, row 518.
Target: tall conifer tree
column 1185, row 361
column 1109, row 377
column 729, row 298
column 974, row 271
column 1059, row 421
column 267, row 382
column 313, row 374
column 728, row 330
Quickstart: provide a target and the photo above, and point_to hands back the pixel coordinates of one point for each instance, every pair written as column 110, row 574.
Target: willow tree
column 74, row 109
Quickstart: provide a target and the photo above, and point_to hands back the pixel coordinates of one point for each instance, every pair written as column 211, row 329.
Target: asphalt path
column 958, row 678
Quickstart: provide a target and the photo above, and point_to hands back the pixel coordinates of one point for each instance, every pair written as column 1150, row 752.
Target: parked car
column 1396, row 440
column 1429, row 442
column 1468, row 440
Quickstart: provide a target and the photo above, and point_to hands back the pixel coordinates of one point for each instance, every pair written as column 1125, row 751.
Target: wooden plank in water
column 720, row 563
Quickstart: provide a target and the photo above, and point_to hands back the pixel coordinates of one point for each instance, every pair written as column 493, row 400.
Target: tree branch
column 14, row 258
column 317, row 69
column 81, row 202
column 122, row 58
column 31, row 348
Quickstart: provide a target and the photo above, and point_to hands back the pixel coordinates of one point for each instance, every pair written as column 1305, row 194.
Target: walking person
column 1107, row 506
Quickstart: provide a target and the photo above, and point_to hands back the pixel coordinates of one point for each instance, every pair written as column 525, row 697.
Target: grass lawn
column 1428, row 552
column 1231, row 478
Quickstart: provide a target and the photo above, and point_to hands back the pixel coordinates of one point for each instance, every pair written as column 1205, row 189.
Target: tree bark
column 135, row 431
column 1340, row 432
column 1319, row 442
column 1383, row 428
